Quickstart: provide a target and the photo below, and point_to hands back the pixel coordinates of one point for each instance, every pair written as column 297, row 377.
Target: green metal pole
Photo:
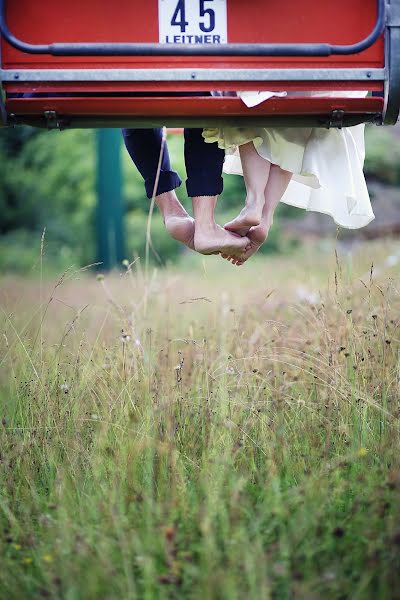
column 110, row 234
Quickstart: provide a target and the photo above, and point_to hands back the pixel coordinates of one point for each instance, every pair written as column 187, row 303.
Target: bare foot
column 257, row 236
column 213, row 239
column 249, row 216
column 181, row 228
column 177, row 222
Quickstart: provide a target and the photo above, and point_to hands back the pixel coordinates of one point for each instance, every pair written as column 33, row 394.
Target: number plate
column 192, row 21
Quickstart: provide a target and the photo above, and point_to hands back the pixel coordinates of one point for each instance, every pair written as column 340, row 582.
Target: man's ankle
column 204, row 225
column 169, row 205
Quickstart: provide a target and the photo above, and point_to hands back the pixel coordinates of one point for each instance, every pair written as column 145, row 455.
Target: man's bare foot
column 249, row 216
column 178, row 222
column 181, row 228
column 213, row 239
column 257, row 236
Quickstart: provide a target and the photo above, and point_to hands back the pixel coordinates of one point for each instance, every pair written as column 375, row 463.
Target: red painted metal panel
column 196, row 107
column 173, row 86
column 257, row 21
column 332, row 21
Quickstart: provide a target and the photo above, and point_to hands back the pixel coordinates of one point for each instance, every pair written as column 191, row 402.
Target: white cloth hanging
column 327, row 164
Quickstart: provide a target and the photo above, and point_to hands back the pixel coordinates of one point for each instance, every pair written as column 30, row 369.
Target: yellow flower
column 17, row 546
column 27, row 560
column 48, row 558
column 362, row 452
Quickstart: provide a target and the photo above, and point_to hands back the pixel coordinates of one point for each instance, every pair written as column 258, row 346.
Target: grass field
column 204, row 431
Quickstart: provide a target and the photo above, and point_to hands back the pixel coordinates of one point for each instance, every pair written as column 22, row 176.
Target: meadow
column 203, row 431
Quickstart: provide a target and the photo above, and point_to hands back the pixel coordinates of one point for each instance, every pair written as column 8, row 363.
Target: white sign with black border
column 192, row 21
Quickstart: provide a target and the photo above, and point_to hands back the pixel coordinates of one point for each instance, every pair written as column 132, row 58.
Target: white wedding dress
column 327, row 164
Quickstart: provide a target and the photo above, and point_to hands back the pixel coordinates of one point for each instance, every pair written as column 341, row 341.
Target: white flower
column 392, row 260
column 64, row 388
column 305, row 294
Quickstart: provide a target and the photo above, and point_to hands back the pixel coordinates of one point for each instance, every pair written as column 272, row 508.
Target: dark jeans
column 203, row 162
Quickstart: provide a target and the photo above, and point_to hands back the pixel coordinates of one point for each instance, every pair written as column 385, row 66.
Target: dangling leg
column 255, row 172
column 144, row 147
column 278, row 182
column 204, row 170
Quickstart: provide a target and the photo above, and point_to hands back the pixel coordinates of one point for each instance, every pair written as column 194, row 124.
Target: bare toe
column 235, row 228
column 249, row 216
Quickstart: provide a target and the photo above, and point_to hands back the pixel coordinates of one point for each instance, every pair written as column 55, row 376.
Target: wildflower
column 308, row 296
column 137, row 343
column 27, row 560
column 125, row 337
column 329, row 575
column 48, row 558
column 169, row 532
column 17, row 547
column 338, row 532
column 362, row 452
column 64, row 388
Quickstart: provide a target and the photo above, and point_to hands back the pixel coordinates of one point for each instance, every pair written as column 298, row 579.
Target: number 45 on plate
column 192, row 21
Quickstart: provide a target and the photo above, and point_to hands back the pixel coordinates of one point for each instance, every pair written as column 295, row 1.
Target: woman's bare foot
column 249, row 216
column 213, row 239
column 257, row 236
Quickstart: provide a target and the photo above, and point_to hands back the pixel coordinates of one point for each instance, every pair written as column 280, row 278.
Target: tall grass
column 208, row 433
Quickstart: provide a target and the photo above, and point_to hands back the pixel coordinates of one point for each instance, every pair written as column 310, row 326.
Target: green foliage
column 382, row 160
column 47, row 176
column 20, row 253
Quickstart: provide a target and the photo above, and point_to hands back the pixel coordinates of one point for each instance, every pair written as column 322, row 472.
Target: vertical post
column 110, row 237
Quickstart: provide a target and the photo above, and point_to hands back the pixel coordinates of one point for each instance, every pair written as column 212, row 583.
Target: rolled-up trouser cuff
column 203, row 165
column 168, row 180
column 201, row 184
